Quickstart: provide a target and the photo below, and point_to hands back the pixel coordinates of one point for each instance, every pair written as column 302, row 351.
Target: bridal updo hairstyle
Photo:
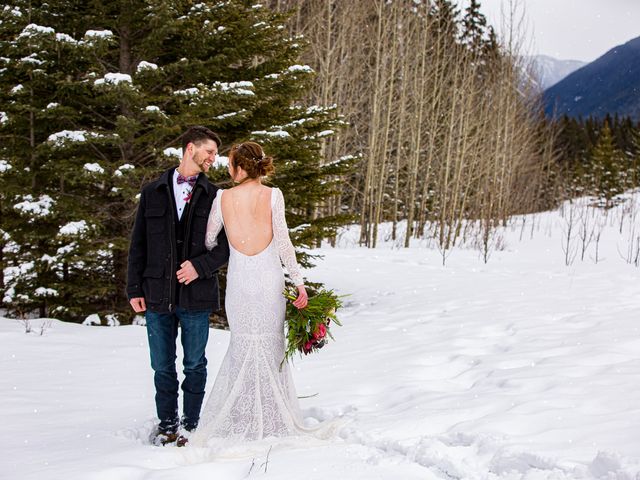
column 251, row 158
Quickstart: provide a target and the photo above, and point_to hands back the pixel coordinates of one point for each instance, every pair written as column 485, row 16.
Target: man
column 173, row 278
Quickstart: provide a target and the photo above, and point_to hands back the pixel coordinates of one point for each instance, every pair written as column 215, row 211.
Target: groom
column 173, row 278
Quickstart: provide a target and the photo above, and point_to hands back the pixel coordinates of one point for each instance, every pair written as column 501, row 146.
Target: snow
column 187, row 92
column 173, row 152
column 67, row 249
column 239, row 88
column 93, row 319
column 300, row 68
column 64, row 38
column 46, row 292
column 34, row 29
column 114, row 79
column 60, row 138
column 73, row 228
column 200, row 7
column 522, row 368
column 112, row 320
column 33, row 59
column 230, row 114
column 275, row 133
column 9, row 295
column 52, row 105
column 5, row 166
column 146, row 66
column 35, row 208
column 15, row 11
column 4, row 118
column 325, row 133
column 93, row 168
column 98, row 34
column 17, row 89
column 221, row 161
column 152, row 108
column 123, row 168
column 48, row 259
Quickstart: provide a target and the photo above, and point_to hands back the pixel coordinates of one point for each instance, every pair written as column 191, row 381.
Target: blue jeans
column 162, row 331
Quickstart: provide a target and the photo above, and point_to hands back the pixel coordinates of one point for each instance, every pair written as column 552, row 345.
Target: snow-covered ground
column 520, row 368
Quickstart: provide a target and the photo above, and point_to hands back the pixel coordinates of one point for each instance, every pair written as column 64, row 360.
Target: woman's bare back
column 246, row 210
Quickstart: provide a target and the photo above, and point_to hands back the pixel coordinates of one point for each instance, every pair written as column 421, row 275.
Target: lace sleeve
column 214, row 224
column 281, row 238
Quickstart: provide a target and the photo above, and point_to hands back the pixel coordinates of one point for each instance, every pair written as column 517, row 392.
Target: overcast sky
column 574, row 29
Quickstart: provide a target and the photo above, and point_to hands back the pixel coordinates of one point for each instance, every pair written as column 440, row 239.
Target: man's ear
column 190, row 148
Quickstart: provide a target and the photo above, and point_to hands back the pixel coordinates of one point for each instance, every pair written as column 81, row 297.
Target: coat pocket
column 204, row 290
column 153, row 283
column 155, row 219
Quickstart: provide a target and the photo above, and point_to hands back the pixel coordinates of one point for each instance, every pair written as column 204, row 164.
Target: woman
column 253, row 398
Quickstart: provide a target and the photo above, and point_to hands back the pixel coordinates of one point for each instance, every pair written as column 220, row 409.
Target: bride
column 252, row 397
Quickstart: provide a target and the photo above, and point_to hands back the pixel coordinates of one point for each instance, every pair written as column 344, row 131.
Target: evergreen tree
column 447, row 17
column 35, row 61
column 635, row 156
column 120, row 82
column 474, row 29
column 577, row 141
column 608, row 167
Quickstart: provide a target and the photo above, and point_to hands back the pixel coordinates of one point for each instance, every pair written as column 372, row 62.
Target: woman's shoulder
column 275, row 193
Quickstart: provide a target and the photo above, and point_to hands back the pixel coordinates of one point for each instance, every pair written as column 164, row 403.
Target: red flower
column 307, row 347
column 320, row 332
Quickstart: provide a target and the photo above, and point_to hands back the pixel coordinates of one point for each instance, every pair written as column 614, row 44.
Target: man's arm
column 137, row 253
column 207, row 264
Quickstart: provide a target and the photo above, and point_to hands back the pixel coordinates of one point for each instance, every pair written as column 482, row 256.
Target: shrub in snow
column 93, row 319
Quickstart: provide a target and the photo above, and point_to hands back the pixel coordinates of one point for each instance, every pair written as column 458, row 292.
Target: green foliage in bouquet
column 308, row 328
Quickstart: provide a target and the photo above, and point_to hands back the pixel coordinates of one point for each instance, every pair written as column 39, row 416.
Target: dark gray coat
column 153, row 254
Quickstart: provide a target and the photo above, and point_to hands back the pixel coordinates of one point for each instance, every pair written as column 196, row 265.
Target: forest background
column 412, row 113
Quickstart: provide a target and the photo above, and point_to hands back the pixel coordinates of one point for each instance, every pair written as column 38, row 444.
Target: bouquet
column 308, row 328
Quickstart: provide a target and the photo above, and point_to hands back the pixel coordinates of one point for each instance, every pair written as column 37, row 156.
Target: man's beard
column 200, row 163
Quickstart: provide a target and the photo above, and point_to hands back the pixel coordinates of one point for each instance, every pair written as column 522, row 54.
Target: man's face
column 204, row 154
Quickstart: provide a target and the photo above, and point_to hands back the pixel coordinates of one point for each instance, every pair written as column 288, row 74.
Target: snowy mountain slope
column 551, row 70
column 520, row 368
column 609, row 85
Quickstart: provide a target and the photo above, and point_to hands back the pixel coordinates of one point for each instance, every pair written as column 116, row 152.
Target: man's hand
column 187, row 273
column 138, row 304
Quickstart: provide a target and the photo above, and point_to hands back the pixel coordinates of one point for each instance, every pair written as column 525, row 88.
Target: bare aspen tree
column 449, row 139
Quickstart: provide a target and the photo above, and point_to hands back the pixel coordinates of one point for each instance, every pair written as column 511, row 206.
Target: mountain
column 610, row 84
column 550, row 71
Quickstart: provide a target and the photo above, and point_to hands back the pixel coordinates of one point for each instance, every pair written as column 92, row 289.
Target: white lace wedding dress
column 252, row 398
